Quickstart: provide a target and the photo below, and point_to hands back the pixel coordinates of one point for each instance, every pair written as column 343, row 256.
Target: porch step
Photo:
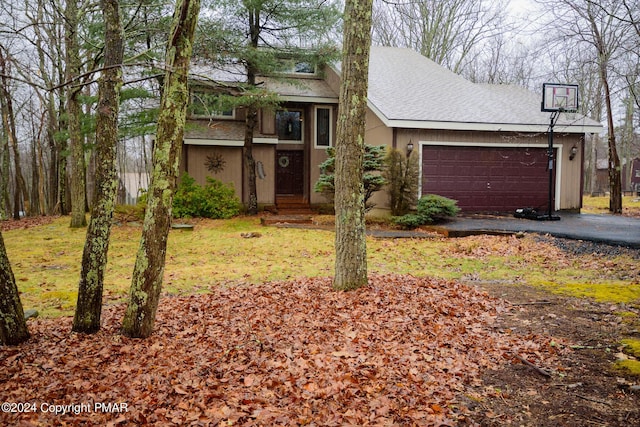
column 292, row 205
column 286, row 219
column 294, row 210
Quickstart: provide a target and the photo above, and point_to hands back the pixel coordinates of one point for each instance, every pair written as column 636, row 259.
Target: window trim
column 315, row 127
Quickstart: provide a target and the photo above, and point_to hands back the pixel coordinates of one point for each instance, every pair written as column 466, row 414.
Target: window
column 323, row 127
column 208, row 105
column 297, row 67
column 304, row 68
column 289, row 124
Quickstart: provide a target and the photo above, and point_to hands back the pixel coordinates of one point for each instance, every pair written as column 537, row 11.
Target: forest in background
column 593, row 44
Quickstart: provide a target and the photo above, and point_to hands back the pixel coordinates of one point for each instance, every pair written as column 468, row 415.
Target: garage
column 487, row 178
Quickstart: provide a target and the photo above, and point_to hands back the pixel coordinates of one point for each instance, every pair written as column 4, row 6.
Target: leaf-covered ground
column 400, row 351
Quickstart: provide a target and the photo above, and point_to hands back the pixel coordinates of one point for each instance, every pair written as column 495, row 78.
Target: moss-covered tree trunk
column 350, row 243
column 94, row 257
column 72, row 52
column 146, row 283
column 13, row 327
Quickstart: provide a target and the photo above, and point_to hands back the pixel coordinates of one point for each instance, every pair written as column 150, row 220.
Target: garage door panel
column 487, row 178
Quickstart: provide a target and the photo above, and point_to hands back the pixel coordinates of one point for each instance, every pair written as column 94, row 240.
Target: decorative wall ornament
column 283, row 161
column 215, row 163
column 260, row 170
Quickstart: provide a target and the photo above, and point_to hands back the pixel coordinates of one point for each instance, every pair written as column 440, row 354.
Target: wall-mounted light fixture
column 573, row 152
column 409, row 148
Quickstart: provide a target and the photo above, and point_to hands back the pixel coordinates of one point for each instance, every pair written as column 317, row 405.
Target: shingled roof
column 409, row 90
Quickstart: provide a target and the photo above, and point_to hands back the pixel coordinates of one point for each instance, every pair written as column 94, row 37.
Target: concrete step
column 286, row 219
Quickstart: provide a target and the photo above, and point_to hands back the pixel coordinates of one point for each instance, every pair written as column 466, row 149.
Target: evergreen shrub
column 215, row 200
column 431, row 208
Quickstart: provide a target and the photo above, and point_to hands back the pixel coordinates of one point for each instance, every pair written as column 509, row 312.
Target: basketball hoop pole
column 556, row 98
column 550, row 155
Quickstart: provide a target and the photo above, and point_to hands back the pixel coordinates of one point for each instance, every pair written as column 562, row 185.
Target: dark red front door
column 289, row 172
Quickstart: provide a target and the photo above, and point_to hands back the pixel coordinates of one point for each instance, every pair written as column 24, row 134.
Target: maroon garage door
column 487, row 179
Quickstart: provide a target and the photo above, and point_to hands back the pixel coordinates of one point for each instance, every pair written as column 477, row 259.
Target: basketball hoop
column 557, row 99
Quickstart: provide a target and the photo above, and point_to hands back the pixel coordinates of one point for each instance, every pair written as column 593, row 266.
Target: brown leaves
column 397, row 352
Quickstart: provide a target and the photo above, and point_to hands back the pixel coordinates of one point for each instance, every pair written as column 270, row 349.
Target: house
column 482, row 145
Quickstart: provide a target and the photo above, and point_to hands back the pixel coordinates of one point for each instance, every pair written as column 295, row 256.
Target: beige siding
column 571, row 171
column 195, row 156
column 378, row 134
column 194, row 162
column 265, row 187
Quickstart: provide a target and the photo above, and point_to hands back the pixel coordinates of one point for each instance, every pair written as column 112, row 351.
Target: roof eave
column 309, row 99
column 476, row 126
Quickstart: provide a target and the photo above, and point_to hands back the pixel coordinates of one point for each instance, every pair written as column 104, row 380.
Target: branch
column 534, row 367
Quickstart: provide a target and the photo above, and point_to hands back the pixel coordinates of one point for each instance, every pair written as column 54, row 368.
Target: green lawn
column 598, row 205
column 46, row 261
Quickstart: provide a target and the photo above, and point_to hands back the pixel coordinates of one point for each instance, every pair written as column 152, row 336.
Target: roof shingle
column 410, row 89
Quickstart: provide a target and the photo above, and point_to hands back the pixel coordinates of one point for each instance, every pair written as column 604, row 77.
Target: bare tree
column 9, row 125
column 350, row 243
column 594, row 28
column 446, row 31
column 74, row 89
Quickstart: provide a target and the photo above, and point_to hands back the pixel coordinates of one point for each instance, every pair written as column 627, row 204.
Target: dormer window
column 303, row 68
column 208, row 105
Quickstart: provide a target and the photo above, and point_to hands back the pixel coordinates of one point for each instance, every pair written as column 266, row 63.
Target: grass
column 46, row 261
column 600, row 204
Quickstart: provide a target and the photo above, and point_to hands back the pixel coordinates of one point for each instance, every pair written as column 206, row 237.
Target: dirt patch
column 24, row 223
column 583, row 388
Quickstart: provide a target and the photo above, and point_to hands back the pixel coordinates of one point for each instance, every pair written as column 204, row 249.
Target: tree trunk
column 9, row 126
column 78, row 217
column 13, row 327
column 4, row 176
column 350, row 243
column 146, row 283
column 250, row 163
column 252, row 114
column 615, row 180
column 94, row 257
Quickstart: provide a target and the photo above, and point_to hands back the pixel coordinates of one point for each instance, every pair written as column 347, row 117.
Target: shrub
column 215, row 200
column 402, row 174
column 431, row 208
column 373, row 164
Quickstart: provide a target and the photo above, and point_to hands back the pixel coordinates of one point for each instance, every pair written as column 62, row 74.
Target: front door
column 289, row 172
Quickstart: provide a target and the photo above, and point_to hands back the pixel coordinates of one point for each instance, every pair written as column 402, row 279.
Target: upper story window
column 303, row 68
column 208, row 105
column 289, row 125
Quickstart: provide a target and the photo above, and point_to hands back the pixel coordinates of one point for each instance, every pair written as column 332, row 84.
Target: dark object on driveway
column 531, row 213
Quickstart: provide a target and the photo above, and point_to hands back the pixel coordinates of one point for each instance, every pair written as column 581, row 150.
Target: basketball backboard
column 559, row 97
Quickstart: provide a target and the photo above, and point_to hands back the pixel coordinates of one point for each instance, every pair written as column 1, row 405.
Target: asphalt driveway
column 608, row 229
